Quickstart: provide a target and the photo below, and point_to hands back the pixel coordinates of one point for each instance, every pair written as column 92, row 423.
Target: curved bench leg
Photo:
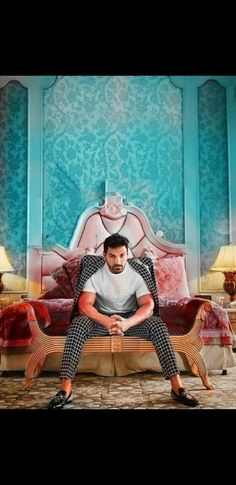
column 42, row 346
column 200, row 366
column 195, row 372
column 34, row 367
column 28, row 383
column 192, row 366
column 39, row 366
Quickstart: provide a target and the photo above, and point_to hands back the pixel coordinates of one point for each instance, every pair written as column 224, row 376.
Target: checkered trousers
column 83, row 328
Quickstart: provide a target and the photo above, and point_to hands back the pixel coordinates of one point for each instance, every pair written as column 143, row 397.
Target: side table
column 7, row 299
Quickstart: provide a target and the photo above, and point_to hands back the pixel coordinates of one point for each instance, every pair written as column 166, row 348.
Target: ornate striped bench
column 42, row 345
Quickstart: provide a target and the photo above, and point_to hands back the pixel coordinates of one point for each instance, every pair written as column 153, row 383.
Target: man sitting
column 117, row 296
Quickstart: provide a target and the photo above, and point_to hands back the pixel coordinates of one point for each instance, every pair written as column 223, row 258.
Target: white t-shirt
column 116, row 292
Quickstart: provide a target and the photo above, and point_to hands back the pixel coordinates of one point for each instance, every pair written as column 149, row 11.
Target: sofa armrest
column 14, row 323
column 180, row 317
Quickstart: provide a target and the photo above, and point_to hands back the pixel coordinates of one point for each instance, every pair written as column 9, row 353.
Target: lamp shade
column 4, row 261
column 226, row 259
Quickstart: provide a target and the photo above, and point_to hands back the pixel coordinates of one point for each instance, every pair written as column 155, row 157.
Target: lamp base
column 1, row 283
column 230, row 284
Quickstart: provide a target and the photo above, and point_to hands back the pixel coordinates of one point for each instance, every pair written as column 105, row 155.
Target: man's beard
column 117, row 268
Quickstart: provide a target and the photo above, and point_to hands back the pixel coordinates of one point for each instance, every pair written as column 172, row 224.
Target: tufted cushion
column 66, row 277
column 171, row 277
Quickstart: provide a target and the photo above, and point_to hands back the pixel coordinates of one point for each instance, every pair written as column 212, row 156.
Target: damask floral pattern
column 171, row 278
column 127, row 130
column 213, row 186
column 13, row 173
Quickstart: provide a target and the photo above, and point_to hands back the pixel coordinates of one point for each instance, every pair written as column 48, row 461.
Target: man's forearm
column 91, row 312
column 143, row 312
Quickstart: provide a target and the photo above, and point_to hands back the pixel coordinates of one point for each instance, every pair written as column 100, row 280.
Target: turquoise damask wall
column 124, row 129
column 167, row 144
column 13, row 174
column 214, row 182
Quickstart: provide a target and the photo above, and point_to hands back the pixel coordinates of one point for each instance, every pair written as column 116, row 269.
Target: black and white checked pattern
column 82, row 328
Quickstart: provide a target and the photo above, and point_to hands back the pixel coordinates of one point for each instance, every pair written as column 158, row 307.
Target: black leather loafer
column 60, row 400
column 183, row 398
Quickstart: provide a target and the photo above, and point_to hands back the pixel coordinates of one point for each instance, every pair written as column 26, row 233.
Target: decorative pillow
column 66, row 276
column 171, row 277
column 53, row 293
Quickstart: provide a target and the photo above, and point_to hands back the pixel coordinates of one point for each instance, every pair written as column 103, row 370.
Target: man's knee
column 81, row 323
column 154, row 323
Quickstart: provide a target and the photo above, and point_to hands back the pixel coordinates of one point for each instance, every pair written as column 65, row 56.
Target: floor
column 136, row 391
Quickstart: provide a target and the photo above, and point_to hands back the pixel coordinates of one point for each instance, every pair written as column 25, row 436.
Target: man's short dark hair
column 114, row 241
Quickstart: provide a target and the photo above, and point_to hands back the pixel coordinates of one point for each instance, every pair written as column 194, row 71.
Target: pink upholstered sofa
column 52, row 280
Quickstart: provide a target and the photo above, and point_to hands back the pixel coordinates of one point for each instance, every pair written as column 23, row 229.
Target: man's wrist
column 104, row 320
column 128, row 322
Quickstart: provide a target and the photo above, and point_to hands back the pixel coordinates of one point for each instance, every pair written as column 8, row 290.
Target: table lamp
column 4, row 265
column 226, row 263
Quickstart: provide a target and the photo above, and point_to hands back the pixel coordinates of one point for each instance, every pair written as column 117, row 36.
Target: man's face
column 116, row 259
